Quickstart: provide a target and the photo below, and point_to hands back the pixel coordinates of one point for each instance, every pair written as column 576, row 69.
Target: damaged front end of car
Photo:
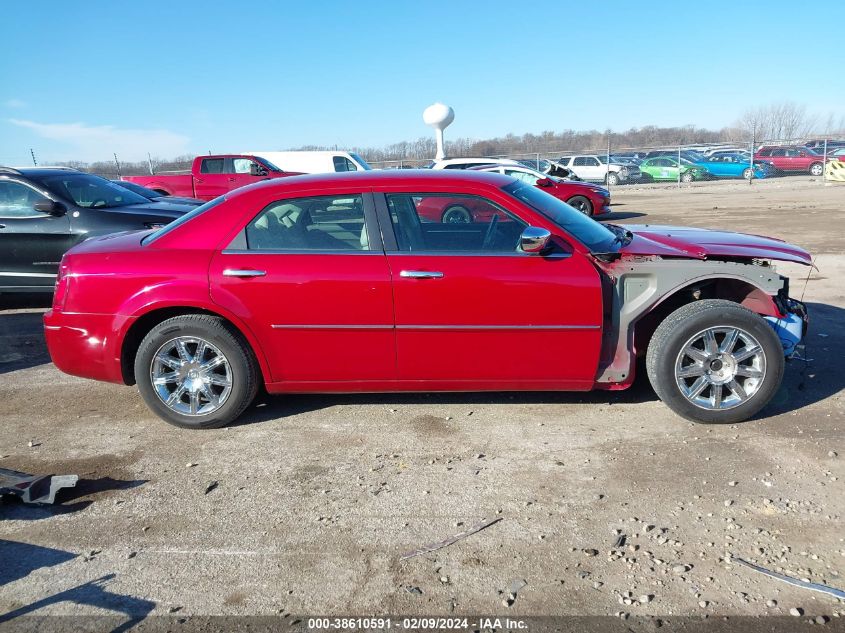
column 641, row 289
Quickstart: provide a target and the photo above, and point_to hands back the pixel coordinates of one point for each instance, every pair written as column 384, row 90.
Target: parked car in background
column 314, row 162
column 730, row 152
column 685, row 154
column 837, row 154
column 468, row 162
column 589, row 199
column 791, row 158
column 212, row 176
column 666, row 168
column 267, row 286
column 735, row 166
column 595, row 168
column 155, row 196
column 818, row 145
column 44, row 211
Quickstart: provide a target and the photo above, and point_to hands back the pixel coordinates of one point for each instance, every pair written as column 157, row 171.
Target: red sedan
column 333, row 283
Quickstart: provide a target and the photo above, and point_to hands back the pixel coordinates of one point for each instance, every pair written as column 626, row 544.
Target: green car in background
column 665, row 168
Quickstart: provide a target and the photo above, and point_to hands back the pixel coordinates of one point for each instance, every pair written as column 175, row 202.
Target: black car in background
column 155, row 196
column 44, row 211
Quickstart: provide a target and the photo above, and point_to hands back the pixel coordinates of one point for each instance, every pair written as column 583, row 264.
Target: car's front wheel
column 747, row 173
column 195, row 371
column 687, row 176
column 816, row 169
column 456, row 214
column 714, row 361
column 582, row 203
column 612, row 179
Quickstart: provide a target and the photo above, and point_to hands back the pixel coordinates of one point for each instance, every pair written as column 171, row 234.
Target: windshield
column 141, row 191
column 91, row 192
column 361, row 161
column 270, row 166
column 152, row 237
column 595, row 236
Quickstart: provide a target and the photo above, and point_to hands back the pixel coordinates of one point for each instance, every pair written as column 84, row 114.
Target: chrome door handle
column 420, row 274
column 237, row 272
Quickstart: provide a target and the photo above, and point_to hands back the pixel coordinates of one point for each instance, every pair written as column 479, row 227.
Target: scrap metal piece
column 795, row 582
column 34, row 488
column 452, row 539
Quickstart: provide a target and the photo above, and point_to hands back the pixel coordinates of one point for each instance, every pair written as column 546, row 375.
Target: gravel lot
column 317, row 497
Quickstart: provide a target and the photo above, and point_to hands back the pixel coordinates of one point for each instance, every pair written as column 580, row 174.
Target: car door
column 474, row 312
column 215, row 177
column 31, row 242
column 309, row 276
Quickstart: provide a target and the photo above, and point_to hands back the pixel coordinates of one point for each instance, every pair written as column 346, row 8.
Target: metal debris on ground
column 795, row 582
column 34, row 488
column 620, row 541
column 452, row 539
column 211, row 487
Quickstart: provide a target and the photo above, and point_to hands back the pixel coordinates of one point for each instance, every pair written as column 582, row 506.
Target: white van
column 314, row 162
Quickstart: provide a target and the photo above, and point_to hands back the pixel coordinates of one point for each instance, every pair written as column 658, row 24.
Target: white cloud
column 79, row 141
column 15, row 104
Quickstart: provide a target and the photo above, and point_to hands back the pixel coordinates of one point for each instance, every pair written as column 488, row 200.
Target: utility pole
column 150, row 164
column 32, row 152
column 117, row 164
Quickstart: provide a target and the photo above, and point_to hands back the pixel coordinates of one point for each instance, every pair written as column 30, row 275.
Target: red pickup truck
column 212, row 176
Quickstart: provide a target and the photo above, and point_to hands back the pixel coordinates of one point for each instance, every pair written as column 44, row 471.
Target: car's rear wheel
column 714, row 361
column 816, row 169
column 582, row 203
column 747, row 173
column 195, row 371
column 612, row 179
column 687, row 176
column 456, row 214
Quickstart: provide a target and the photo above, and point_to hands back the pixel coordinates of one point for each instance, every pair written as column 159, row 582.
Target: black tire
column 582, row 204
column 677, row 329
column 747, row 174
column 245, row 374
column 456, row 214
column 816, row 169
column 687, row 176
column 612, row 179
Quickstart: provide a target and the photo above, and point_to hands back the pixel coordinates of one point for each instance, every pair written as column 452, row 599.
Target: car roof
column 377, row 178
column 35, row 172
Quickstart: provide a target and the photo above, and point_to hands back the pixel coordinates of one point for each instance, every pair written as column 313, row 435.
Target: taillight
column 62, row 281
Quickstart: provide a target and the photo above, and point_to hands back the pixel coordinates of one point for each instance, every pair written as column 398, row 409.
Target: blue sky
column 85, row 79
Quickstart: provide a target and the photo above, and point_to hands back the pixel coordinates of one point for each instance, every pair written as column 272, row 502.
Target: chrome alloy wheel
column 720, row 368
column 191, row 376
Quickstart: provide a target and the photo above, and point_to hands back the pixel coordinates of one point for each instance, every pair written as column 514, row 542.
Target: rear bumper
column 85, row 345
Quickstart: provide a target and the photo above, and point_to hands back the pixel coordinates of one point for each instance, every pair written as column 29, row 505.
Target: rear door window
column 212, row 166
column 323, row 223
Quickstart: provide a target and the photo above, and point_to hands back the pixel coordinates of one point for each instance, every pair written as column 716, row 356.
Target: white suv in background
column 595, row 168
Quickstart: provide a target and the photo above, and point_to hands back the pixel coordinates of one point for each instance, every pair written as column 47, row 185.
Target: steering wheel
column 491, row 231
column 96, row 202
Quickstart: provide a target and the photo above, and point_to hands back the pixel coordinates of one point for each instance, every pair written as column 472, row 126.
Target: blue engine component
column 789, row 329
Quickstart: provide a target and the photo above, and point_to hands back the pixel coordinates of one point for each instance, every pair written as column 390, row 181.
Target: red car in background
column 332, row 283
column 588, row 198
column 212, row 176
column 791, row 158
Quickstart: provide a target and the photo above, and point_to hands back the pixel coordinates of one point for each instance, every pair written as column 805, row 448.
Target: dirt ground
column 307, row 505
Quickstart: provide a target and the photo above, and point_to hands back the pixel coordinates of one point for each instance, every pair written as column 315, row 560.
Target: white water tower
column 439, row 117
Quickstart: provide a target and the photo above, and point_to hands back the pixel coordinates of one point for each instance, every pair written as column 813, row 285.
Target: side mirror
column 50, row 206
column 534, row 240
column 257, row 170
column 545, row 182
